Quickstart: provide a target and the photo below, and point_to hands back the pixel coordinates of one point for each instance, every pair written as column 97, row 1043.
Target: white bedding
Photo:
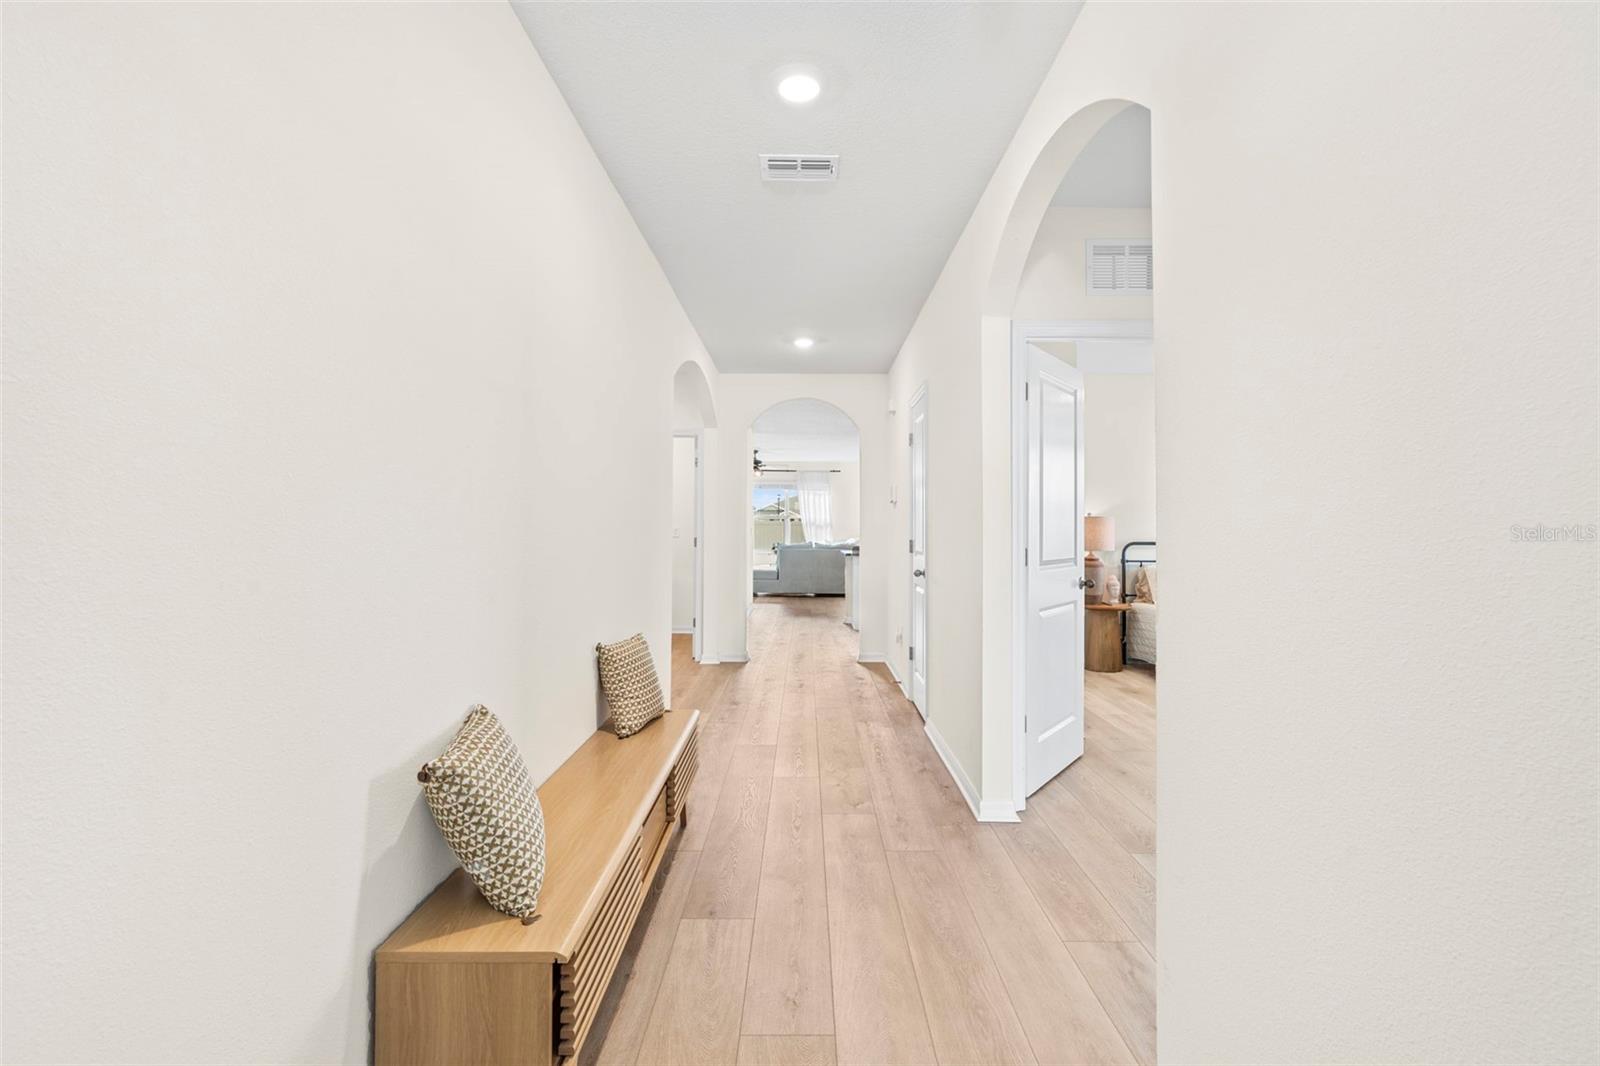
column 1141, row 619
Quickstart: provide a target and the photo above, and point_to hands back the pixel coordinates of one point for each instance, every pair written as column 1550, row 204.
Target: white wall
column 1119, row 462
column 1054, row 285
column 291, row 413
column 682, row 534
column 1377, row 806
column 740, row 399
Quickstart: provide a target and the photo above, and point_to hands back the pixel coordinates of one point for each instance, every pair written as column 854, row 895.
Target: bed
column 1139, row 622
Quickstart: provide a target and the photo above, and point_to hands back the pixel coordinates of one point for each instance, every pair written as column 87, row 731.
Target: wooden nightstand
column 1102, row 636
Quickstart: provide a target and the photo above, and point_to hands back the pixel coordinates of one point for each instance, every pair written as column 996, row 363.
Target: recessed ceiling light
column 799, row 88
column 804, row 343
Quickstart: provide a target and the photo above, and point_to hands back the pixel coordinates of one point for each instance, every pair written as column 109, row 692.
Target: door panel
column 918, row 646
column 1054, row 641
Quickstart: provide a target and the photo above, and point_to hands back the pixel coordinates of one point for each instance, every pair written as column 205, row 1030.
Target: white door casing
column 1053, row 559
column 696, row 645
column 917, row 646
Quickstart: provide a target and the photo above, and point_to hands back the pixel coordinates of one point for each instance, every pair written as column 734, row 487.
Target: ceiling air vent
column 800, row 167
column 1120, row 267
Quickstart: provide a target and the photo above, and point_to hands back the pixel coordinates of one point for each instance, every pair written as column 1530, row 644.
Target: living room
column 805, row 499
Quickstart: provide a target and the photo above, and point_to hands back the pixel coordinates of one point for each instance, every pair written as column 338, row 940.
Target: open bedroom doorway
column 692, row 416
column 1084, row 460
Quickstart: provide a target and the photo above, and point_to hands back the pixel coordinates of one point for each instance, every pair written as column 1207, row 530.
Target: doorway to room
column 1083, row 452
column 805, row 504
column 687, row 492
column 693, row 414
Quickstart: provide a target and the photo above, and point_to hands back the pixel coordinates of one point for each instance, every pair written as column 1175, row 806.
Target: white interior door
column 1054, row 562
column 917, row 647
column 697, row 642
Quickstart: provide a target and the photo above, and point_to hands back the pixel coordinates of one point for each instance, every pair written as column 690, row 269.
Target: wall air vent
column 800, row 167
column 1120, row 267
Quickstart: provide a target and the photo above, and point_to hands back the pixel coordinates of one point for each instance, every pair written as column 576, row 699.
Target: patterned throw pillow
column 628, row 676
column 486, row 807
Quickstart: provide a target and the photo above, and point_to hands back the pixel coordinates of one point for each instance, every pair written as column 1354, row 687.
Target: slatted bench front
column 459, row 982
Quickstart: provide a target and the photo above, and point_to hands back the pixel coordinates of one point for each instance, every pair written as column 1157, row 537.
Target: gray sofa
column 804, row 570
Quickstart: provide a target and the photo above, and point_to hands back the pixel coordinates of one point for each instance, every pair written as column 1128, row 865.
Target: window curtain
column 816, row 505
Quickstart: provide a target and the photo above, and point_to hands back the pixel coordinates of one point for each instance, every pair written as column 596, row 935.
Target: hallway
column 832, row 898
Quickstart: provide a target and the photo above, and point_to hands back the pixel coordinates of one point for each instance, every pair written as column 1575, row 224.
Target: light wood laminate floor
column 832, row 899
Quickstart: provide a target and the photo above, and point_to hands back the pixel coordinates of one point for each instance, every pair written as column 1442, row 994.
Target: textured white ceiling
column 1114, row 168
column 801, row 430
column 919, row 100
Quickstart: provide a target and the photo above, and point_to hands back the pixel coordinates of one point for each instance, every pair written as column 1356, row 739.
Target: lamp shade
column 1099, row 533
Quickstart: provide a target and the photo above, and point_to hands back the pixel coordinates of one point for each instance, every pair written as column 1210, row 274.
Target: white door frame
column 1024, row 333
column 697, row 639
column 918, row 397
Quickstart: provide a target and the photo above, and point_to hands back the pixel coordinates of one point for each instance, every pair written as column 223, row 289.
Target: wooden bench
column 459, row 982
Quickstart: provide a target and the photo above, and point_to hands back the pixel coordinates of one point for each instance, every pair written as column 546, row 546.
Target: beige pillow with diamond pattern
column 1144, row 585
column 628, row 676
column 488, row 810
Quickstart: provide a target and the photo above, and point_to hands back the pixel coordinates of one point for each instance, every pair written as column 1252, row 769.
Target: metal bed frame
column 1127, row 589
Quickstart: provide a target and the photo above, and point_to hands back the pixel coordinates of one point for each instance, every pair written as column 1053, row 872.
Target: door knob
column 1085, row 583
column 919, row 573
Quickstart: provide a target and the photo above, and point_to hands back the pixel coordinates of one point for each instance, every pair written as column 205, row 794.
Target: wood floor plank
column 1123, row 977
column 1122, row 818
column 1131, row 773
column 1059, row 1011
column 797, row 742
column 1074, row 904
column 762, row 719
column 945, row 805
column 696, row 1016
column 790, row 987
column 716, row 749
column 786, row 1051
column 878, row 1013
column 896, row 798
column 969, row 1014
column 843, row 774
column 1121, row 878
column 624, row 1015
column 728, row 879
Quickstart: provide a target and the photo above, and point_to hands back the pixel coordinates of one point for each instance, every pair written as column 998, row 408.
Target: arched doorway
column 1013, row 327
column 804, row 528
column 1078, row 294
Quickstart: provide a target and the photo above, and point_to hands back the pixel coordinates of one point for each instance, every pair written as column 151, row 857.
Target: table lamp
column 1099, row 535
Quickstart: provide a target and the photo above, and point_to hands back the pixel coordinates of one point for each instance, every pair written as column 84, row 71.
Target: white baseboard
column 683, row 632
column 959, row 776
column 997, row 811
column 897, row 680
column 707, row 661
